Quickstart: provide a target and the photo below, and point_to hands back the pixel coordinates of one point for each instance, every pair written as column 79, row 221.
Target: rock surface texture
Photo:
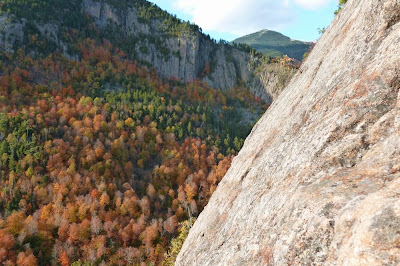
column 318, row 179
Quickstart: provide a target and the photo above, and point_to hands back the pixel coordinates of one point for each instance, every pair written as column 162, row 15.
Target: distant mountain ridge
column 275, row 44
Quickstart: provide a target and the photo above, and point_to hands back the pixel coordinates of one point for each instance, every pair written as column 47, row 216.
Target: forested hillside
column 100, row 159
column 146, row 33
column 100, row 156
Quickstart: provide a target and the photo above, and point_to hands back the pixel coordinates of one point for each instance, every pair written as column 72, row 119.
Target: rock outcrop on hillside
column 275, row 77
column 185, row 55
column 190, row 54
column 318, row 179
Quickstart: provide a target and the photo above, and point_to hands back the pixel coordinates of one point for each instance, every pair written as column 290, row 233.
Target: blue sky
column 229, row 19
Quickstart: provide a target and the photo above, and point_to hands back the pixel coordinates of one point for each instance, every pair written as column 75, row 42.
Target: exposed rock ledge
column 318, row 179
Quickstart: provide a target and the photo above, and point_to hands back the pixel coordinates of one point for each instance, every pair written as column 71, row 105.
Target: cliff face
column 275, row 77
column 189, row 53
column 318, row 179
column 186, row 54
column 11, row 33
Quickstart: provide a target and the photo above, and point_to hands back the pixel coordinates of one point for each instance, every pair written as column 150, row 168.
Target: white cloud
column 312, row 4
column 240, row 17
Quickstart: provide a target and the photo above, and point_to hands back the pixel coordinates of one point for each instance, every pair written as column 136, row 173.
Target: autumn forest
column 101, row 160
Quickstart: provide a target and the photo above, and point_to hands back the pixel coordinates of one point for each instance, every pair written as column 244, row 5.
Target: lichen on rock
column 318, row 179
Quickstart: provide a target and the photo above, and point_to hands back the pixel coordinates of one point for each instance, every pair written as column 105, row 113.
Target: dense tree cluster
column 45, row 10
column 100, row 159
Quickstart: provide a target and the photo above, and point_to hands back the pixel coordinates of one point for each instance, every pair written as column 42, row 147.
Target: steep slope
column 318, row 179
column 176, row 49
column 275, row 44
column 183, row 54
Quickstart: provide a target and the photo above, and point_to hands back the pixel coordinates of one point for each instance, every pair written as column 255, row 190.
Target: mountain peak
column 275, row 44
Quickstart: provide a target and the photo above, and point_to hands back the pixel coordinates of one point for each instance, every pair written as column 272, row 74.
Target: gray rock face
column 318, row 179
column 189, row 53
column 183, row 57
column 275, row 77
column 11, row 32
